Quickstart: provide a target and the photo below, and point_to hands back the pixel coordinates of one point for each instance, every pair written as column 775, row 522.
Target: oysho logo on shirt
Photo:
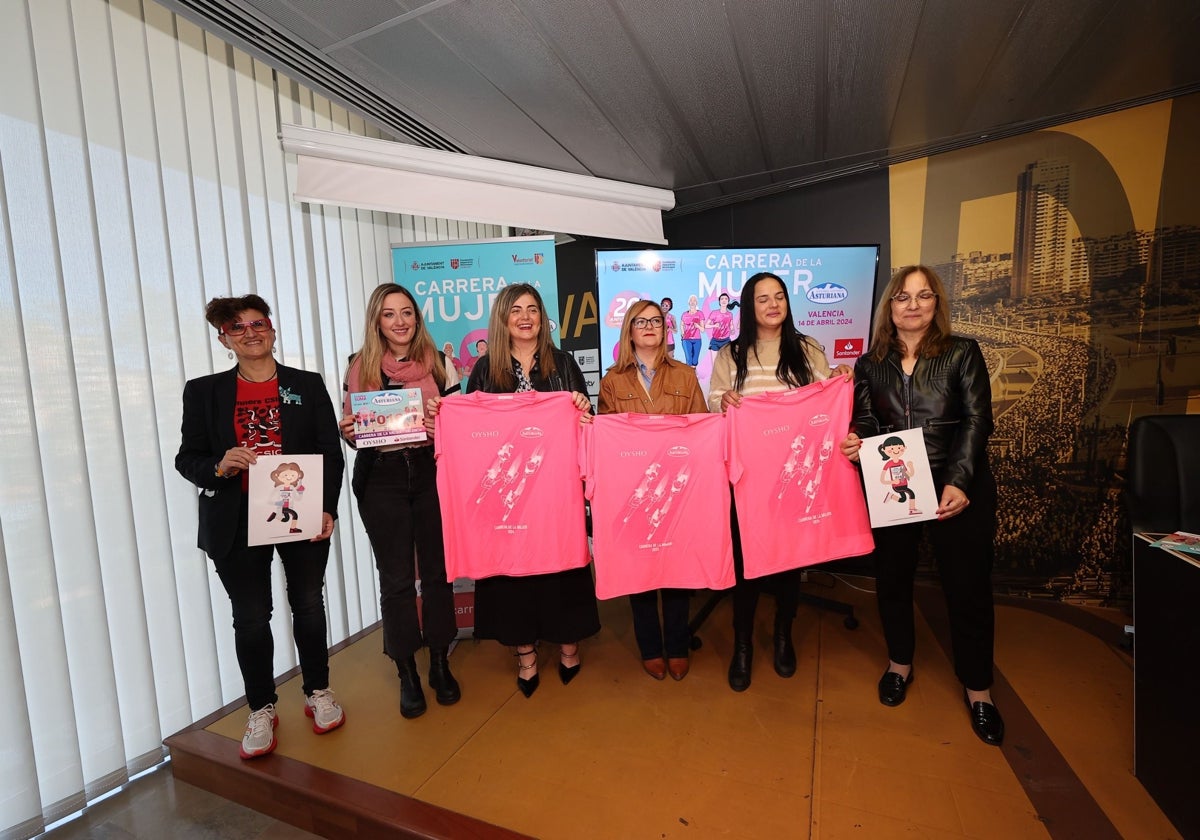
column 776, row 430
column 632, row 453
column 493, row 433
column 531, row 432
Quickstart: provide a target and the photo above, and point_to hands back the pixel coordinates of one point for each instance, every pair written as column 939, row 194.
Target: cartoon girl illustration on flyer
column 287, row 477
column 896, row 472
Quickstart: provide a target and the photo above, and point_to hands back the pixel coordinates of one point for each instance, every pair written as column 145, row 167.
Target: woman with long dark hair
column 769, row 354
column 229, row 419
column 646, row 380
column 917, row 374
column 396, row 489
column 559, row 607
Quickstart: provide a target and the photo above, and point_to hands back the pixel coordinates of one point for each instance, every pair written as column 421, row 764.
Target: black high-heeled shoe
column 565, row 673
column 527, row 686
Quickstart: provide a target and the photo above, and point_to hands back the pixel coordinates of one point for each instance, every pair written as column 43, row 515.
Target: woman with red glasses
column 259, row 407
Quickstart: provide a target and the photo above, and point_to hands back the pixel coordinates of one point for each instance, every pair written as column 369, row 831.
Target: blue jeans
column 691, row 351
column 246, row 575
column 673, row 631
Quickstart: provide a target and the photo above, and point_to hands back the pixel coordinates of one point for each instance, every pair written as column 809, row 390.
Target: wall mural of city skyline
column 1073, row 257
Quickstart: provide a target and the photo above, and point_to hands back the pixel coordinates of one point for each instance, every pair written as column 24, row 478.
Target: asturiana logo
column 819, row 420
column 679, row 452
column 531, row 432
column 827, row 293
column 387, row 399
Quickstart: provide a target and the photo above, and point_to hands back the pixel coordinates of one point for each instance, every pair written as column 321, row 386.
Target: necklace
column 243, row 376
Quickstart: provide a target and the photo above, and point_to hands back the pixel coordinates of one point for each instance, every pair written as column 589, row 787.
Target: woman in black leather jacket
column 917, row 375
column 559, row 607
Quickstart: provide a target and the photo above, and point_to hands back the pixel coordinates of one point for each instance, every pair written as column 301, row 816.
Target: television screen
column 831, row 292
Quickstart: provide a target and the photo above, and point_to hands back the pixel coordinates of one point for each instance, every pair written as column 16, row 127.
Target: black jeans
column 785, row 586
column 964, row 548
column 674, row 629
column 400, row 510
column 246, row 575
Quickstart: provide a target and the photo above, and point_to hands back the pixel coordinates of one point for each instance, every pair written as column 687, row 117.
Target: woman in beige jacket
column 645, row 380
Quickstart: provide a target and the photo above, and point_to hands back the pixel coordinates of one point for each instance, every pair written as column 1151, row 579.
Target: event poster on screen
column 455, row 283
column 830, row 293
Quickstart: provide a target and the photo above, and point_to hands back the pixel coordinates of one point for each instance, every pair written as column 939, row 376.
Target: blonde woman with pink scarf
column 396, row 489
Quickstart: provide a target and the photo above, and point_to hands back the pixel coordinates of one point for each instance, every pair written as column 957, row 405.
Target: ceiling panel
column 715, row 99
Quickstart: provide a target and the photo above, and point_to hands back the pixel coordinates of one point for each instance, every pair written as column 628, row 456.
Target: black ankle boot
column 412, row 699
column 785, row 654
column 440, row 678
column 739, row 668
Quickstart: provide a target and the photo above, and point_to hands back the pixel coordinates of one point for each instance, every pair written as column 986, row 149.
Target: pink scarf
column 406, row 374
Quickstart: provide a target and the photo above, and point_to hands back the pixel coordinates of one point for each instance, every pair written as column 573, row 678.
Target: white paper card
column 285, row 498
column 897, row 479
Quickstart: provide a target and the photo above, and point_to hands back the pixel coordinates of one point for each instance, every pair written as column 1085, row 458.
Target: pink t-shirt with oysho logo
column 660, row 500
column 799, row 500
column 509, row 484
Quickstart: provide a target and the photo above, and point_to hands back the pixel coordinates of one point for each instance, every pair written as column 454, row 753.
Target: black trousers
column 246, row 575
column 400, row 510
column 673, row 631
column 964, row 548
column 785, row 586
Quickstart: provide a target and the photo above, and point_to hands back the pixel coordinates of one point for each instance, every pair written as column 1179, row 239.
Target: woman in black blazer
column 260, row 407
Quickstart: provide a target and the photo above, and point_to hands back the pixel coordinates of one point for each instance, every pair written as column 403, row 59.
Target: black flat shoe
column 893, row 688
column 985, row 721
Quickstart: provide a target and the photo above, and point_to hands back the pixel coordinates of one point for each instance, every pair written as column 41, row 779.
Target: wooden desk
column 1166, row 660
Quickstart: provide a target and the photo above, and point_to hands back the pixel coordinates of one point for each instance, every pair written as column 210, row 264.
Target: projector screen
column 831, row 292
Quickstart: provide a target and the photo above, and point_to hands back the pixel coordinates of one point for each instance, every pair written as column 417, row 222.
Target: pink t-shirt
column 799, row 500
column 692, row 322
column 722, row 323
column 659, row 491
column 509, row 484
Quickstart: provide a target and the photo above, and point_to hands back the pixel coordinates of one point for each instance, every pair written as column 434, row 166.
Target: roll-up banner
column 455, row 283
column 830, row 292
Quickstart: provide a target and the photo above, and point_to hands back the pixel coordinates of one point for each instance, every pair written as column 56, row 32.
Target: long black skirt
column 559, row 608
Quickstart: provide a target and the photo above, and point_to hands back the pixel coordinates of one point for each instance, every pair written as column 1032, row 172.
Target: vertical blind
column 141, row 175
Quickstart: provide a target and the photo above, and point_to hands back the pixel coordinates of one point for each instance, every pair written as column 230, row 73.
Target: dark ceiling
column 718, row 100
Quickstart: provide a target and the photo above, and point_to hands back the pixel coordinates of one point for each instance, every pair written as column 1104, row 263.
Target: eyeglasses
column 240, row 327
column 922, row 297
column 642, row 323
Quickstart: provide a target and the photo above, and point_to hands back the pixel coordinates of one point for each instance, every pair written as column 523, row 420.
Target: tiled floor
column 616, row 754
column 158, row 806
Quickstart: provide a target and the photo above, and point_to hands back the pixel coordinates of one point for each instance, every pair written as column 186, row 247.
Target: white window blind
column 141, row 175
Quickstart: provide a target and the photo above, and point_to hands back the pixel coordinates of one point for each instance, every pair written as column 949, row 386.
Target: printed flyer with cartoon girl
column 285, row 503
column 897, row 478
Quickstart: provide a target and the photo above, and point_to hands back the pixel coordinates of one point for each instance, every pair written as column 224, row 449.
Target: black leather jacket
column 949, row 396
column 566, row 376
